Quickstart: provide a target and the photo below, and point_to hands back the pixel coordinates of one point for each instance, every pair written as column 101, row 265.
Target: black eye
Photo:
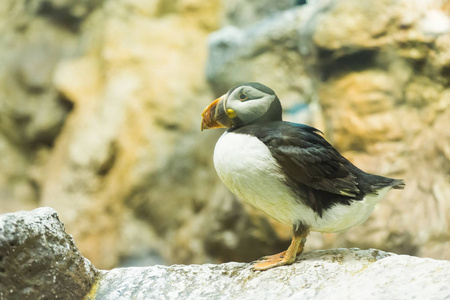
column 242, row 96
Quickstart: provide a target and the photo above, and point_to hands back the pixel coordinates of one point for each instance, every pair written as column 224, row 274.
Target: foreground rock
column 39, row 260
column 323, row 274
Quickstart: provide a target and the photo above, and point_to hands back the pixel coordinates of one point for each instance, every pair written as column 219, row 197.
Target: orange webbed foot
column 276, row 260
column 286, row 257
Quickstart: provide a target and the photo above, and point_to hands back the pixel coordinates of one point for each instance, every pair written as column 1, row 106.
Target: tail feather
column 398, row 184
column 380, row 182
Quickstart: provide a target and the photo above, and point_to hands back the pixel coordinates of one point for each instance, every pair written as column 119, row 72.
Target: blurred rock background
column 100, row 106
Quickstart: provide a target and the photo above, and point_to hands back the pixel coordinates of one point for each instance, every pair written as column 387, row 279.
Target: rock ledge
column 327, row 274
column 38, row 260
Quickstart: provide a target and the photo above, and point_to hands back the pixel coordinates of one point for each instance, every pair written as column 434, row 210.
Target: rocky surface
column 327, row 274
column 39, row 260
column 100, row 104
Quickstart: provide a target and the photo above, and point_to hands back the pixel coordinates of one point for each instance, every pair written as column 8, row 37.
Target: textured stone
column 32, row 111
column 38, row 260
column 326, row 274
column 241, row 13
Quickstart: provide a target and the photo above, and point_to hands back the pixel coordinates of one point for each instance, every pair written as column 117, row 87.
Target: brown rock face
column 100, row 106
column 385, row 102
column 128, row 163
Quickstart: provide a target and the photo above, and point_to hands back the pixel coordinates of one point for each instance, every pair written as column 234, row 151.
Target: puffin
column 288, row 170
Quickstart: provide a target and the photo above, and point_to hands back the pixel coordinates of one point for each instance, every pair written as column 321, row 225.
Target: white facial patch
column 257, row 104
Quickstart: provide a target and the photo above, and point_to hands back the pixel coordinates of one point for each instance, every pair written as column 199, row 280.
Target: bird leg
column 286, row 257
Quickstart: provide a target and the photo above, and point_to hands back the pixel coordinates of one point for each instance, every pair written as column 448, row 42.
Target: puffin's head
column 244, row 104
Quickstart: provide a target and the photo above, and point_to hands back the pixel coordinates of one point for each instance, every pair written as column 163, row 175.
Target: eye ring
column 242, row 96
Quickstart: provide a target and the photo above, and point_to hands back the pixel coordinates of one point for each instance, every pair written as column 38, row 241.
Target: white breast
column 248, row 169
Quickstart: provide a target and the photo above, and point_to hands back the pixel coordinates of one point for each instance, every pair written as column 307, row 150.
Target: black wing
column 308, row 159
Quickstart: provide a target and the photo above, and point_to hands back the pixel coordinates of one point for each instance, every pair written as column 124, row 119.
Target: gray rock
column 325, row 274
column 243, row 13
column 233, row 50
column 39, row 260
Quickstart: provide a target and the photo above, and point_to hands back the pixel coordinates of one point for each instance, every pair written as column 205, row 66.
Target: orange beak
column 214, row 116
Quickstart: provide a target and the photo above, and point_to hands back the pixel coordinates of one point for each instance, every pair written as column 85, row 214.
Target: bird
column 288, row 170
